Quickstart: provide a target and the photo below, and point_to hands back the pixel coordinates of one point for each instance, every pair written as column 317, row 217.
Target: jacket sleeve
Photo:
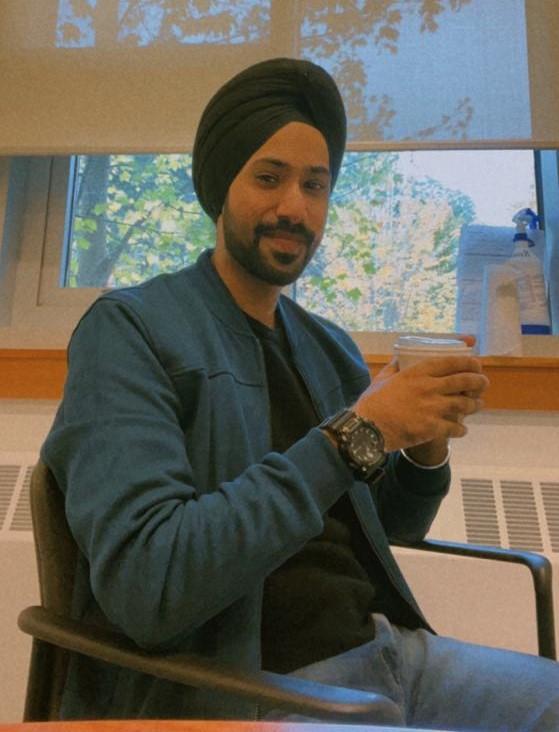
column 165, row 558
column 408, row 498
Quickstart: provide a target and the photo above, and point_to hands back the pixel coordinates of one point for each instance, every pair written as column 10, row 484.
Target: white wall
column 23, row 426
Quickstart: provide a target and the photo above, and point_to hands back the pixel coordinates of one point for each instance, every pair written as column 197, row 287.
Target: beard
column 249, row 256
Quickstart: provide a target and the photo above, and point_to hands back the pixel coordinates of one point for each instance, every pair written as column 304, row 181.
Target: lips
column 285, row 242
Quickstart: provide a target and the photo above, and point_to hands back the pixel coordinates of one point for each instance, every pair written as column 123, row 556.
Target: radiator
column 479, row 600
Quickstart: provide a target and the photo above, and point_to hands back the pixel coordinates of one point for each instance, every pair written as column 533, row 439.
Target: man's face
column 275, row 211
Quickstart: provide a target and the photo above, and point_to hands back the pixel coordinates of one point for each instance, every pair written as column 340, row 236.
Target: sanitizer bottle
column 534, row 311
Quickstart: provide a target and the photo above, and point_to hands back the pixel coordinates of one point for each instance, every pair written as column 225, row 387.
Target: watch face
column 363, row 447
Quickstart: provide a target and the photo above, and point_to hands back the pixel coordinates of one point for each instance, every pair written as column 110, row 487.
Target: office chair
column 56, row 634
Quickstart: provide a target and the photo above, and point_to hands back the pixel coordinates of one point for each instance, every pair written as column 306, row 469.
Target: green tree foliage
column 388, row 260
column 135, row 217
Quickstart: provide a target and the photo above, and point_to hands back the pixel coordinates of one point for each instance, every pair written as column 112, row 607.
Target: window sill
column 530, row 383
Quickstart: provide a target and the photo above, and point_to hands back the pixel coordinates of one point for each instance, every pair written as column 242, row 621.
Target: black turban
column 249, row 109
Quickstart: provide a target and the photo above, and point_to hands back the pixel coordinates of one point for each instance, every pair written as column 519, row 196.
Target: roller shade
column 100, row 76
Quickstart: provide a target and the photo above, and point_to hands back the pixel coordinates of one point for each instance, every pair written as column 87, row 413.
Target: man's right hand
column 423, row 402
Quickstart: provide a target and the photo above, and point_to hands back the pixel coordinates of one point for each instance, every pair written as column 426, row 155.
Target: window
column 388, row 260
column 446, row 74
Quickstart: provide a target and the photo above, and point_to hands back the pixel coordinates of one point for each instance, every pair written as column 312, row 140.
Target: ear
column 219, row 238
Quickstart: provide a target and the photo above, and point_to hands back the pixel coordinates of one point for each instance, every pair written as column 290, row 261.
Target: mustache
column 286, row 227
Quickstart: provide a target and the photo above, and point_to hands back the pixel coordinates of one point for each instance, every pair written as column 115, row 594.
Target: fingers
column 457, row 374
column 456, row 430
column 446, row 365
column 447, row 420
column 450, row 427
column 469, row 339
column 461, row 406
column 469, row 384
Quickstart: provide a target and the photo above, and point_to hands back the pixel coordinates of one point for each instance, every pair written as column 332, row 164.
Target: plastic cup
column 411, row 349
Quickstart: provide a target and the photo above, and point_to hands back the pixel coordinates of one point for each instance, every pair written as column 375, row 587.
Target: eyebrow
column 315, row 169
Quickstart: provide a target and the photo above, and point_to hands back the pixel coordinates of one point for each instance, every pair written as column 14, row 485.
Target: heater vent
column 9, row 475
column 521, row 515
column 514, row 508
column 21, row 520
column 15, row 510
column 550, row 496
column 480, row 512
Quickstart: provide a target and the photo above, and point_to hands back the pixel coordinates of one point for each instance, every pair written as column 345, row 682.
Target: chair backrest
column 56, row 554
column 55, row 548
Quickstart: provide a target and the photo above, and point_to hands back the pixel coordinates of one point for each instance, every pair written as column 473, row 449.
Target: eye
column 316, row 185
column 267, row 179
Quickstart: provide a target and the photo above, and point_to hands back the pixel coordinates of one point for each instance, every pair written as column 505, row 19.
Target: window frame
column 36, row 314
column 41, row 314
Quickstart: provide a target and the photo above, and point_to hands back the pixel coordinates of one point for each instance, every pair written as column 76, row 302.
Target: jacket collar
column 221, row 302
column 223, row 305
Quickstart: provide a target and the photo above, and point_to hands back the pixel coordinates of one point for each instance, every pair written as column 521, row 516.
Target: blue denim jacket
column 180, row 509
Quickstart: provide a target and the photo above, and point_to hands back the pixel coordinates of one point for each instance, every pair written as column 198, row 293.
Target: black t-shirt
column 319, row 602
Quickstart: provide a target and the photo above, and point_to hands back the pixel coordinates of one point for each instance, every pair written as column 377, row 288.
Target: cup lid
column 424, row 343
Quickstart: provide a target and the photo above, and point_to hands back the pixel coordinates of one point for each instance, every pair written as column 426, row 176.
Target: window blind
column 118, row 76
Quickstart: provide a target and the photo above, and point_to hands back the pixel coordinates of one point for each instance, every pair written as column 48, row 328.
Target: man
column 231, row 475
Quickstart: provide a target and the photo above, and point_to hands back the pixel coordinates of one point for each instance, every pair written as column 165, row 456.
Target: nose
column 291, row 204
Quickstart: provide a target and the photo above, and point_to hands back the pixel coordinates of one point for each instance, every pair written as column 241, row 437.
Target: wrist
column 428, row 457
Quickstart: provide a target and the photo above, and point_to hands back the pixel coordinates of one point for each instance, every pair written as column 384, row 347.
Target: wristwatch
column 360, row 443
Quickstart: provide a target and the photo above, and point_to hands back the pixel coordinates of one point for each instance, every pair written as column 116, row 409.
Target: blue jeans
column 442, row 683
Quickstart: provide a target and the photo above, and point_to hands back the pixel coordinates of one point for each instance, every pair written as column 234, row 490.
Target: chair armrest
column 265, row 688
column 540, row 570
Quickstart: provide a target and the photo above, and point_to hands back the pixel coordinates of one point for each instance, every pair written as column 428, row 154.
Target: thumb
column 469, row 339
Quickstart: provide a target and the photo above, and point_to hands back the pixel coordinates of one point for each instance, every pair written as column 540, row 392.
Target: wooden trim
column 32, row 374
column 516, row 383
column 175, row 725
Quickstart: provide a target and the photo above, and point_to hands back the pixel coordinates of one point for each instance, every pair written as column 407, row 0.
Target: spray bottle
column 534, row 311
